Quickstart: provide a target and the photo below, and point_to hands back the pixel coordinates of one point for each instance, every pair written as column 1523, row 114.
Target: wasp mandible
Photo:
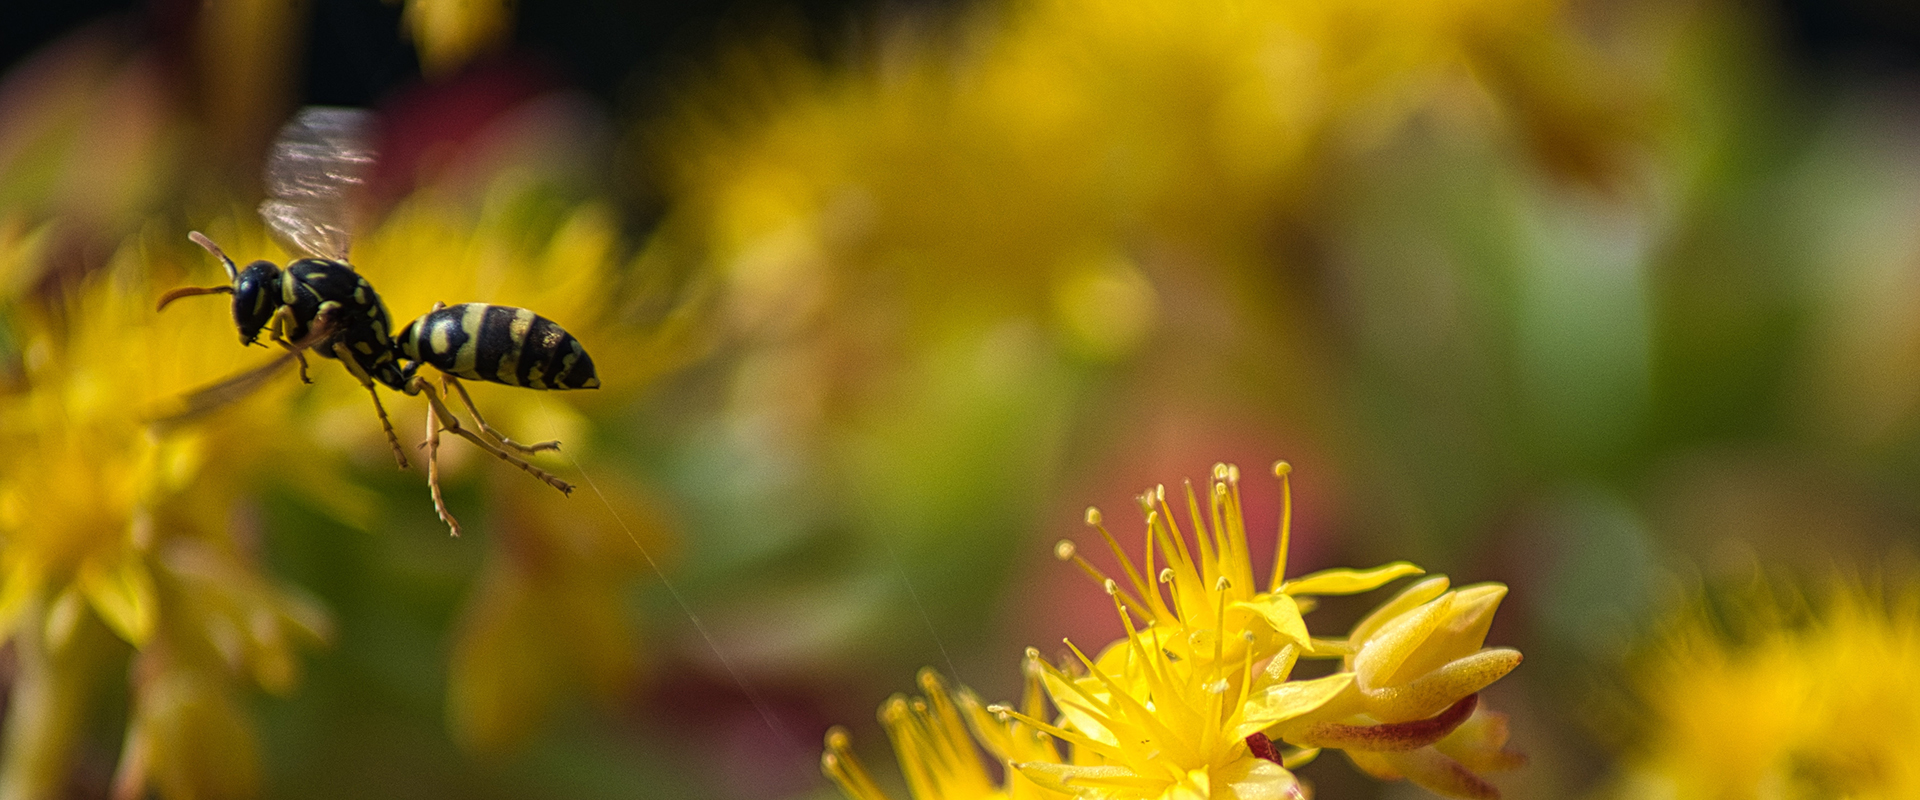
column 319, row 303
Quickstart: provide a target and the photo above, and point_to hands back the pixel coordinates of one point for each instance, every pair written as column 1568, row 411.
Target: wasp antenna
column 190, row 291
column 233, row 272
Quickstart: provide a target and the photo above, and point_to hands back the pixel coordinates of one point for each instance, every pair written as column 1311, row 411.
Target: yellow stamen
column 1136, row 711
column 840, row 764
column 1283, row 470
column 1205, row 541
column 1065, row 550
column 1126, row 563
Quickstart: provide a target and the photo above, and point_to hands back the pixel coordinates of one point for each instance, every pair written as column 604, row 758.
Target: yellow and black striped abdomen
column 501, row 344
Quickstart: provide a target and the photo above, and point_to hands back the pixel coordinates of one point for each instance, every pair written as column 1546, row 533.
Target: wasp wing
column 315, row 171
column 209, row 399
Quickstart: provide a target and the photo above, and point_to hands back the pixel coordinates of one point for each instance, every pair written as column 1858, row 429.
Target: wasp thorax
column 256, row 295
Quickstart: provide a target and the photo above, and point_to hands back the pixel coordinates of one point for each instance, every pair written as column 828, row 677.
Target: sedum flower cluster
column 1771, row 693
column 116, row 536
column 1065, row 160
column 1200, row 700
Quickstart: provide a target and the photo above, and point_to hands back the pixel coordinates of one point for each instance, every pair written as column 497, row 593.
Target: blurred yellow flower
column 548, row 614
column 1765, row 693
column 107, row 524
column 946, row 232
column 1064, row 161
column 451, row 33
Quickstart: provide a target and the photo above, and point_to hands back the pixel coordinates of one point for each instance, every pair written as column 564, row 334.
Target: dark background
column 605, row 46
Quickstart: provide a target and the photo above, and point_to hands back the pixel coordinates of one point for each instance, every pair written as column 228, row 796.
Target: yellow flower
column 1180, row 708
column 190, row 734
column 1063, row 160
column 112, row 528
column 1212, row 584
column 1030, row 186
column 1146, row 722
column 87, row 488
column 1181, row 705
column 1766, row 693
column 548, row 616
column 1418, row 665
column 935, row 739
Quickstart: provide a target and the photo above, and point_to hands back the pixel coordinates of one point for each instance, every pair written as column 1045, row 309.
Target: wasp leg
column 346, row 357
column 282, row 317
column 433, row 471
column 420, row 385
column 488, row 429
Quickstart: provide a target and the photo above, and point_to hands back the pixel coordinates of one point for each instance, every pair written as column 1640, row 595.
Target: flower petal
column 1393, row 736
column 1284, row 701
column 1350, row 581
column 1334, row 648
column 1436, row 690
column 1282, row 613
column 1375, row 764
column 1480, row 744
column 19, row 588
column 1076, row 779
column 1078, row 709
column 121, row 592
column 1385, row 655
column 1407, row 600
column 1439, row 774
column 1258, row 779
column 1461, row 633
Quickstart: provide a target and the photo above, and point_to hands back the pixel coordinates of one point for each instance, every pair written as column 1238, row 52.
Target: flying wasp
column 321, row 304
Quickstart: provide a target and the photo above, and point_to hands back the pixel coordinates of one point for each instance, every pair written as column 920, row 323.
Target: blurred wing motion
column 238, row 387
column 315, row 171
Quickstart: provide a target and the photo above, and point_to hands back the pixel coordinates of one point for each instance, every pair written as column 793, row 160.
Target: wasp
column 321, row 304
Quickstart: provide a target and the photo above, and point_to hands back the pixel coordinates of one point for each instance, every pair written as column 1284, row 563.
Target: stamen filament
column 1203, row 539
column 1147, row 718
column 1126, row 562
column 1065, row 550
column 1283, row 470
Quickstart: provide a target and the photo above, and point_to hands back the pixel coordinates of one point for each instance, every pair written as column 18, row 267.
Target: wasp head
column 256, row 295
